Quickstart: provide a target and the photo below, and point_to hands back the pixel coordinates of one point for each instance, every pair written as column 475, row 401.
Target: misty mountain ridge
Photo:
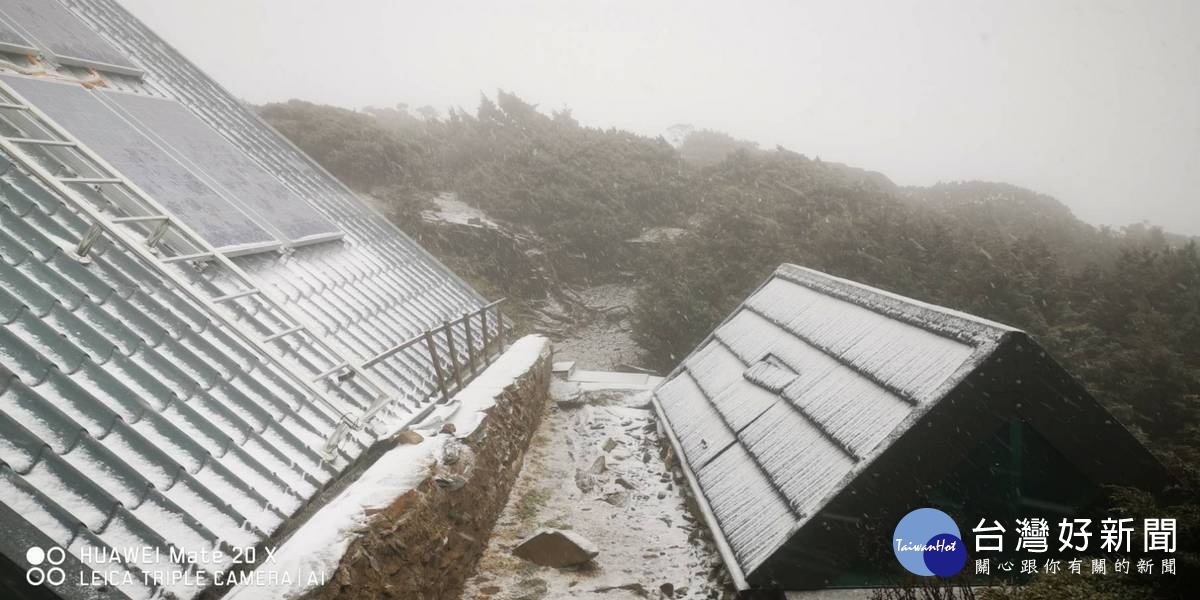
column 574, row 207
column 395, row 158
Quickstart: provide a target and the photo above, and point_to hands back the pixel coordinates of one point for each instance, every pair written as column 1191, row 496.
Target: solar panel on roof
column 228, row 166
column 143, row 162
column 62, row 33
column 12, row 41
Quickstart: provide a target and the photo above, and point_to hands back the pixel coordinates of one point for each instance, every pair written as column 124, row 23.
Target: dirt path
column 595, row 467
column 606, row 340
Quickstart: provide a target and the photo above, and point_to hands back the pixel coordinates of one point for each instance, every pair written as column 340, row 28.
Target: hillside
column 1120, row 307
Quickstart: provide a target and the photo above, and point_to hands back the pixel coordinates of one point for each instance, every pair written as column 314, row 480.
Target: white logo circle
column 35, row 576
column 56, row 576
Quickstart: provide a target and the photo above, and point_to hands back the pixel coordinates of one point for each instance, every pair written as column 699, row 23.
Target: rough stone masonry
column 427, row 542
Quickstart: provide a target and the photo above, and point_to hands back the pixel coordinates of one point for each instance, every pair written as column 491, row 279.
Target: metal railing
column 490, row 346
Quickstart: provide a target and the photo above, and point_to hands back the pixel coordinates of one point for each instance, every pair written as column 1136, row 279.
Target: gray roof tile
column 60, row 392
column 37, row 509
column 12, row 251
column 25, row 406
column 18, row 356
column 39, row 301
column 748, row 506
column 116, row 387
column 19, row 448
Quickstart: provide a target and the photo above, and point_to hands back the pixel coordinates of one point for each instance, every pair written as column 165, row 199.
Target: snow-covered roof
column 130, row 415
column 799, row 392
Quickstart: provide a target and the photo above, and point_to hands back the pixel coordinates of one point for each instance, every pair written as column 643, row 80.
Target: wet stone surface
column 595, row 467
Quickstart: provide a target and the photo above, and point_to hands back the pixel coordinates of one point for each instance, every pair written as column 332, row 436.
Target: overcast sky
column 1096, row 103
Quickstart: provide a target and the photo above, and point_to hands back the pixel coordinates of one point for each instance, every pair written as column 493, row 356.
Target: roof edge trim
column 724, row 550
column 955, row 324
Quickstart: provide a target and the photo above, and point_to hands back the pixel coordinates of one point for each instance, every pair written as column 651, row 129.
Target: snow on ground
column 606, row 341
column 452, row 210
column 317, row 546
column 594, row 467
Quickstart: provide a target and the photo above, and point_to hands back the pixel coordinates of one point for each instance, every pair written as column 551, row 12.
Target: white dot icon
column 35, row 555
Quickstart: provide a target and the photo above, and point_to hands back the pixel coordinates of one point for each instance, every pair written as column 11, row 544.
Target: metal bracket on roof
column 93, row 233
column 144, row 223
column 334, row 441
column 156, row 235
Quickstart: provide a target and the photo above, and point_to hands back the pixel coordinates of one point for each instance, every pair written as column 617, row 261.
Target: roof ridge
column 930, row 317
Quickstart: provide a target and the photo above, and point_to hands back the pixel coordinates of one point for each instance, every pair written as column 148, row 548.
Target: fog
column 1095, row 103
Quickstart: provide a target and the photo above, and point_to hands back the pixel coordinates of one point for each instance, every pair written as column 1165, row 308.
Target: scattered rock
column 636, row 588
column 616, row 498
column 448, row 428
column 451, row 453
column 662, row 495
column 531, row 589
column 609, row 444
column 668, row 589
column 568, row 397
column 556, row 548
column 584, row 481
column 449, row 482
column 646, row 456
column 409, row 436
column 621, row 481
column 599, row 466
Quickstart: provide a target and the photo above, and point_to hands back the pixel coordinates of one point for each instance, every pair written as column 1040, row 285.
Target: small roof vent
column 771, row 374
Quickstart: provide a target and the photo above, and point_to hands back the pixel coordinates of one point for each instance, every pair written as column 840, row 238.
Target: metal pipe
column 401, row 346
column 140, row 219
column 284, row 333
column 331, row 371
column 492, row 303
column 370, row 362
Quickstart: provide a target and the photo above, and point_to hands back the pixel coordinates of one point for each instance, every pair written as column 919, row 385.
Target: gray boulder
column 556, row 548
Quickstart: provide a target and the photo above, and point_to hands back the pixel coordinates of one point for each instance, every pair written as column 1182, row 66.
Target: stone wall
column 428, row 541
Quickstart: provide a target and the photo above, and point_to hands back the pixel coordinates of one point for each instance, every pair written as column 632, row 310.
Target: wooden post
column 437, row 365
column 453, row 355
column 466, row 319
column 500, row 328
column 483, row 326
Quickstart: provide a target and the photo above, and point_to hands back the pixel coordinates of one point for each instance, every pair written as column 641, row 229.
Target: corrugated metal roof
column 843, row 375
column 131, row 416
column 802, row 388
